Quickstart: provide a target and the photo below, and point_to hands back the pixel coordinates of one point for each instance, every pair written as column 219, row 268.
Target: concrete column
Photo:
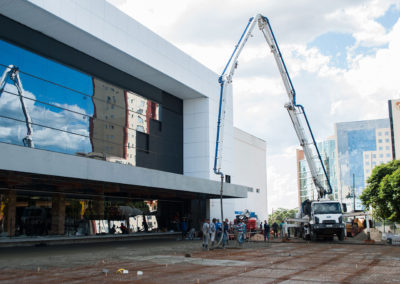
column 11, row 212
column 98, row 207
column 197, row 213
column 208, row 208
column 58, row 214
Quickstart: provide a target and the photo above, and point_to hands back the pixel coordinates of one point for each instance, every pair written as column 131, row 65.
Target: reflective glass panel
column 61, row 109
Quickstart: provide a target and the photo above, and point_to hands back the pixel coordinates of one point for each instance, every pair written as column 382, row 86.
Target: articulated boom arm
column 293, row 109
column 13, row 73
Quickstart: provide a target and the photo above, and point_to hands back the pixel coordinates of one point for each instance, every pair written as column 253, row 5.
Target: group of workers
column 214, row 230
column 283, row 229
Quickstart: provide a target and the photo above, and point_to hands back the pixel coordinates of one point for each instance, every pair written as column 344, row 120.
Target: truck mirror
column 344, row 206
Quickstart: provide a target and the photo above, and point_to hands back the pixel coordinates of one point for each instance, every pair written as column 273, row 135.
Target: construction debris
column 257, row 238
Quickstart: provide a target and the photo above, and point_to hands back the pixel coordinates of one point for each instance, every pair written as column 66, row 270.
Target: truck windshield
column 327, row 208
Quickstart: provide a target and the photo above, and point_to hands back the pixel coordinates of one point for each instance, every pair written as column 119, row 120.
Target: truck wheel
column 341, row 235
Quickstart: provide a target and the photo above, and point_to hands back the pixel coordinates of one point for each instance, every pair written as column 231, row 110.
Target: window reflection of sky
column 51, row 106
column 64, row 106
column 41, row 67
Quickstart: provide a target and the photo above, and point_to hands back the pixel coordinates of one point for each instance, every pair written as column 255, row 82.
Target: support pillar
column 11, row 212
column 58, row 214
column 98, row 207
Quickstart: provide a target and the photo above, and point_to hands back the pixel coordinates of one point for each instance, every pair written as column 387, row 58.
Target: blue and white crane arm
column 13, row 73
column 294, row 109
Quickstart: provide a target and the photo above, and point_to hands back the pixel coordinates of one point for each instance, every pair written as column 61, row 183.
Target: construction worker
column 241, row 231
column 275, row 228
column 266, row 231
column 225, row 229
column 206, row 233
column 282, row 230
column 213, row 230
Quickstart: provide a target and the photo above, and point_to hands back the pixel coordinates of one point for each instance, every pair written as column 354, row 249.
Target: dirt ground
column 171, row 261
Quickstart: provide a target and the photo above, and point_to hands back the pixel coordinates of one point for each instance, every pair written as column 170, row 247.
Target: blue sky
column 338, row 45
column 390, row 18
column 334, row 45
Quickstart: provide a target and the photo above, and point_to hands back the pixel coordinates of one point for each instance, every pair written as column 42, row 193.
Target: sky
column 343, row 57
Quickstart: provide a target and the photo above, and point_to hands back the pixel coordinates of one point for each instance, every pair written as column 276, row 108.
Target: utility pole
column 354, row 197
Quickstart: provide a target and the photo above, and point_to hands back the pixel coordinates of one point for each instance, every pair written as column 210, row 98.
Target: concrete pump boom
column 294, row 109
column 13, row 73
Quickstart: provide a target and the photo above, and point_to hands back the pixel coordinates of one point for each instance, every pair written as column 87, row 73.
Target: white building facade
column 101, row 86
column 249, row 169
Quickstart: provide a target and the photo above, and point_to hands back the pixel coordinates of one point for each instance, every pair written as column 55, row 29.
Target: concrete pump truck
column 317, row 218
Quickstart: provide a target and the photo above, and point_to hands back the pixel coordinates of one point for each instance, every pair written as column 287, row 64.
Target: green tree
column 280, row 214
column 383, row 191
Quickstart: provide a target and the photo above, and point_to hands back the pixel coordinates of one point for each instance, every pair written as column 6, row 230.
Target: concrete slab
column 166, row 263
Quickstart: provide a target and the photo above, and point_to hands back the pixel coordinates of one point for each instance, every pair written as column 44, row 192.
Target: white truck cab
column 326, row 219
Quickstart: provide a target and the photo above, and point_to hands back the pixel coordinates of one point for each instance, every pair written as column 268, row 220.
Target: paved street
column 171, row 261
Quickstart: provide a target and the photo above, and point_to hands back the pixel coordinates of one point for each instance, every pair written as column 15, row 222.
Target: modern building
column 306, row 187
column 249, row 170
column 111, row 116
column 361, row 145
column 349, row 158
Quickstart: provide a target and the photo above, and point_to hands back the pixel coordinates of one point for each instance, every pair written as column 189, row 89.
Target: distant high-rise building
column 361, row 145
column 306, row 186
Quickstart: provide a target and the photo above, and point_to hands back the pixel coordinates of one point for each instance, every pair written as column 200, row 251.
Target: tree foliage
column 383, row 191
column 280, row 214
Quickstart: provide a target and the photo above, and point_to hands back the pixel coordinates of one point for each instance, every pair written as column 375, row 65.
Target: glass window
column 379, row 140
column 387, row 140
column 327, row 208
column 65, row 104
column 379, row 133
column 388, row 155
column 387, row 148
column 386, row 133
column 380, row 155
column 373, row 155
column 381, row 148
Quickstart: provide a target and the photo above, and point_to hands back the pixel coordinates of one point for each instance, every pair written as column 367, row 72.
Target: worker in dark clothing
column 266, row 231
column 275, row 228
column 183, row 228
